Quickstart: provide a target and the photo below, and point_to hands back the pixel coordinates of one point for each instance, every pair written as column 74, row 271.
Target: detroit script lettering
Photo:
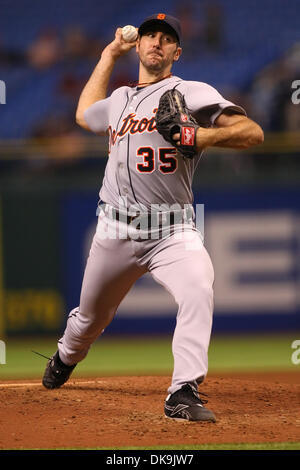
column 133, row 126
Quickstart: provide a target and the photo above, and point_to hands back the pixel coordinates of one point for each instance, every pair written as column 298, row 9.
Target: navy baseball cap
column 161, row 18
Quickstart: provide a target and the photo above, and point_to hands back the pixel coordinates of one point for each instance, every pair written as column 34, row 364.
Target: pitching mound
column 128, row 411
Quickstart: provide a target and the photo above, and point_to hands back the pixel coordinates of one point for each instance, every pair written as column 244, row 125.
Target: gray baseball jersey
column 143, row 169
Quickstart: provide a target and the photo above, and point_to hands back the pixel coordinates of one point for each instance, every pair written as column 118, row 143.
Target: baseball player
column 146, row 222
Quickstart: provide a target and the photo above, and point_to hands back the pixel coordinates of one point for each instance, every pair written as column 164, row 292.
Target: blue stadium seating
column 256, row 32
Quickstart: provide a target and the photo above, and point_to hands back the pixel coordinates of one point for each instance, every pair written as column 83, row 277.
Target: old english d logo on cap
column 158, row 18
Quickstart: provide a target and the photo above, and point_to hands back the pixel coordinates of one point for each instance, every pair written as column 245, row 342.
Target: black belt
column 153, row 219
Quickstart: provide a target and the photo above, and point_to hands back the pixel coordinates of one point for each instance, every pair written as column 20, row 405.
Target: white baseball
column 129, row 33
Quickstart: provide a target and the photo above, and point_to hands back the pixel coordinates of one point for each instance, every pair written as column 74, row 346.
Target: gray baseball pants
column 179, row 262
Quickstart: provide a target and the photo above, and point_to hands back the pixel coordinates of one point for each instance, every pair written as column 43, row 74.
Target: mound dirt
column 122, row 411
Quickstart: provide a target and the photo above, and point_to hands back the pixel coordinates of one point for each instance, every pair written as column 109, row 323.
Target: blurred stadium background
column 51, row 172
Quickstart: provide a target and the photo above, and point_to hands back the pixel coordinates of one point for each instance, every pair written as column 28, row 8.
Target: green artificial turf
column 256, row 446
column 147, row 355
column 200, row 447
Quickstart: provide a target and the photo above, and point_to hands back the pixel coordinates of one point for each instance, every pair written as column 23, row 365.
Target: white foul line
column 38, row 384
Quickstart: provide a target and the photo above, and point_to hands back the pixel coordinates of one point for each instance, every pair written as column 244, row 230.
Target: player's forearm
column 240, row 135
column 96, row 87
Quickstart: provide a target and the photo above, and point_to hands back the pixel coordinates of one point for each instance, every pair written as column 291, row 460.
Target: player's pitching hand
column 118, row 46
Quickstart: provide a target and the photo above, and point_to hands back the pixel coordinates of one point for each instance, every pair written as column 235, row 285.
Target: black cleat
column 56, row 373
column 186, row 404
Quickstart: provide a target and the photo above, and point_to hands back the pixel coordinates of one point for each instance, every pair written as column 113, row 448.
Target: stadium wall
column 252, row 235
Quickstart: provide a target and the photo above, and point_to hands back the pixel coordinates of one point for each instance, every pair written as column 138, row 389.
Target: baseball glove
column 173, row 117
